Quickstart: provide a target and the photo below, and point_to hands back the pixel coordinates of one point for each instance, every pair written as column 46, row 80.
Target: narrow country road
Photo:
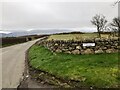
column 13, row 64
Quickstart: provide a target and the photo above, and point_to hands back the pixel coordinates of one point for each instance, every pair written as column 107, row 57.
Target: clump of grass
column 98, row 70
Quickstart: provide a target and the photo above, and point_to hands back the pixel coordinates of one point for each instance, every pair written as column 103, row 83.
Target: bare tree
column 99, row 21
column 115, row 25
column 116, row 2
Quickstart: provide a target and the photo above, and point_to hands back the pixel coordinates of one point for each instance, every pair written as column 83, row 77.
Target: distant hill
column 12, row 33
column 33, row 32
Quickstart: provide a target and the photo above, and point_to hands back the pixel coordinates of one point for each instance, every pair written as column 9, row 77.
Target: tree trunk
column 98, row 32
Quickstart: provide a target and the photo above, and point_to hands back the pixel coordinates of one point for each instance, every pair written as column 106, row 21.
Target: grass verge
column 98, row 70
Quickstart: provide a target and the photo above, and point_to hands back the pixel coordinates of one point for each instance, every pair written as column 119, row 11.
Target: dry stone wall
column 77, row 47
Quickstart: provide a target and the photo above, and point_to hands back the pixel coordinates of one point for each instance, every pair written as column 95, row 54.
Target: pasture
column 78, row 37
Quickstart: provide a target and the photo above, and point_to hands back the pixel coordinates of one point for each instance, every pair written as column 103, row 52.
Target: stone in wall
column 58, row 50
column 108, row 46
column 104, row 48
column 56, row 44
column 99, row 51
column 70, row 48
column 88, row 51
column 75, row 52
column 78, row 47
column 110, row 51
column 118, row 47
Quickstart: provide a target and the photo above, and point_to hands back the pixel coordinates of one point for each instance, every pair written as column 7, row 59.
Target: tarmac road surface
column 13, row 64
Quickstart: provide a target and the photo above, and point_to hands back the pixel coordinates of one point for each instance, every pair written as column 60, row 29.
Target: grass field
column 98, row 70
column 77, row 37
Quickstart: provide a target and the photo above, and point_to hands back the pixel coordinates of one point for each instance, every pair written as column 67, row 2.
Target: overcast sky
column 35, row 15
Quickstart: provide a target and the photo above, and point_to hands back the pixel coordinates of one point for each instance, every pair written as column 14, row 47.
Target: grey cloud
column 21, row 15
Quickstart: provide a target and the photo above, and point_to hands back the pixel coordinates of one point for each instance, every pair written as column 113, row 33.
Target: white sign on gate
column 88, row 44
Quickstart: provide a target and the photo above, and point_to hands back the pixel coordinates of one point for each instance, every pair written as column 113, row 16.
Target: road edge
column 25, row 76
